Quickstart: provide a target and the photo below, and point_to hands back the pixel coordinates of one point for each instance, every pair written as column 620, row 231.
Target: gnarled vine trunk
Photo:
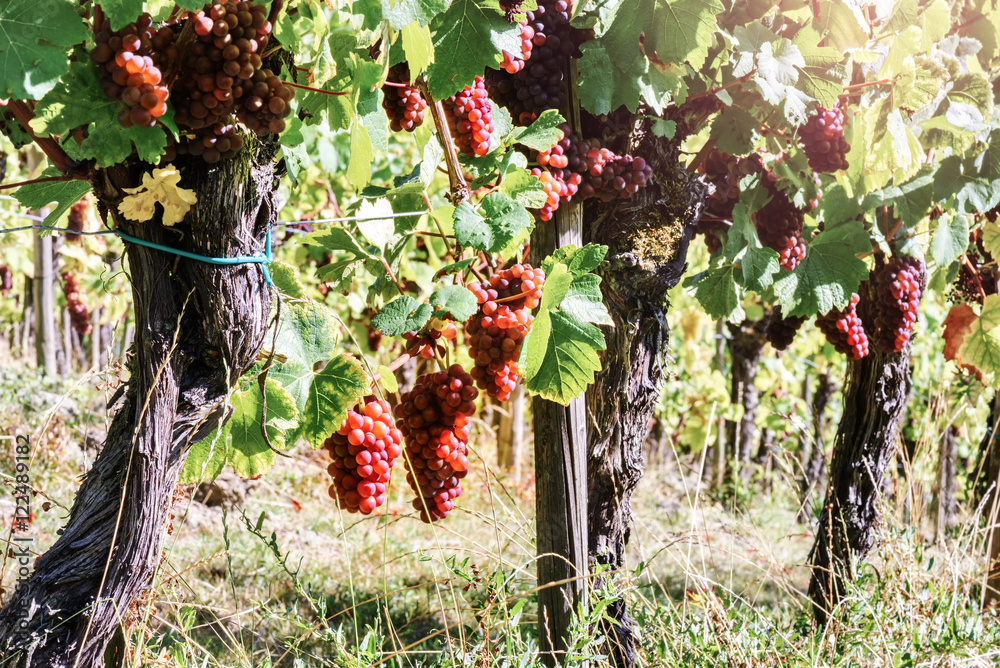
column 647, row 237
column 875, row 396
column 746, row 342
column 815, row 460
column 199, row 327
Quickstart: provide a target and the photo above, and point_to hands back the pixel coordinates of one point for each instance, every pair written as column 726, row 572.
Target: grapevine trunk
column 875, row 396
column 198, row 328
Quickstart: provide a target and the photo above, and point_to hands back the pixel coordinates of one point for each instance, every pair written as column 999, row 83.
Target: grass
column 285, row 579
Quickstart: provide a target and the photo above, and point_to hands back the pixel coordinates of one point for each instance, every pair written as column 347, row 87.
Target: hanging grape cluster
column 540, row 84
column 131, row 61
column 899, row 285
column 781, row 331
column 76, row 222
column 403, row 104
column 844, row 330
column 975, row 278
column 498, row 328
column 79, row 315
column 514, row 63
column 779, row 226
column 434, row 420
column 428, row 343
column 219, row 77
column 6, row 280
column 823, row 139
column 574, row 165
column 470, row 118
column 363, row 451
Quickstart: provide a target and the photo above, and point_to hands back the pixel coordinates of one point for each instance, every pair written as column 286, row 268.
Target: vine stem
column 459, row 188
column 713, row 91
column 392, row 275
column 23, row 113
column 44, row 179
column 315, row 90
column 276, row 6
column 975, row 275
column 866, row 84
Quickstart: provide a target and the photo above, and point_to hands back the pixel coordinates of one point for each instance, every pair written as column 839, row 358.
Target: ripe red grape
column 899, row 285
column 823, row 139
column 844, row 330
column 470, row 118
column 79, row 315
column 404, row 105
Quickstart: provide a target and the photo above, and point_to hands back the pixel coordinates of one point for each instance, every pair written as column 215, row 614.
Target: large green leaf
column 500, row 220
column 720, row 292
column 334, row 390
column 35, row 39
column 248, row 452
column 63, row 193
column 467, row 39
column 401, row 315
column 567, row 353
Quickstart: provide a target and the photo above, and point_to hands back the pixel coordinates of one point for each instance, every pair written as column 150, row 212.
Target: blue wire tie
column 263, row 261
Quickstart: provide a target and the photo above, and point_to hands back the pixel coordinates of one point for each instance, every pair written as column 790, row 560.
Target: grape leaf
column 308, row 334
column 951, row 238
column 206, row 458
column 568, row 356
column 455, row 301
column 467, row 38
column 830, row 273
column 402, row 13
column 579, row 261
column 957, row 326
column 523, row 187
column 677, row 31
column 388, row 379
column 615, row 72
column 121, row 12
column 35, row 37
column 543, row 132
column 991, row 238
column 248, row 452
column 378, row 231
column 720, row 292
column 334, row 390
column 840, row 25
column 504, row 219
column 556, row 286
column 418, row 47
column 401, row 315
column 759, row 264
column 584, row 302
column 454, row 268
column 161, row 187
column 981, row 345
column 734, row 131
column 35, row 196
column 359, row 168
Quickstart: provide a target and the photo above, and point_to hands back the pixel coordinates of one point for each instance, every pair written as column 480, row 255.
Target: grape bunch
column 222, row 73
column 844, row 330
column 77, row 219
column 79, row 315
column 541, row 83
column 575, row 165
column 779, row 226
column 498, row 328
column 6, row 280
column 510, row 7
column 823, row 139
column 215, row 143
column 131, row 61
column 434, row 420
column 974, row 279
column 403, row 104
column 781, row 331
column 427, row 342
column 899, row 285
column 470, row 118
column 514, row 63
column 363, row 451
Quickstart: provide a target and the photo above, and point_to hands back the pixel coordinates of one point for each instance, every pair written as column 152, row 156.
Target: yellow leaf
column 991, row 238
column 159, row 187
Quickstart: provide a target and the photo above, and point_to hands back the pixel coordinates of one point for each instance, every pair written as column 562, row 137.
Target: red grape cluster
column 363, row 450
column 510, row 7
column 403, row 104
column 574, row 165
column 470, row 118
column 541, row 84
column 498, row 328
column 6, row 280
column 899, row 285
column 77, row 219
column 514, row 63
column 823, row 139
column 131, row 62
column 434, row 420
column 779, row 226
column 974, row 279
column 844, row 331
column 781, row 331
column 214, row 143
column 427, row 342
column 79, row 316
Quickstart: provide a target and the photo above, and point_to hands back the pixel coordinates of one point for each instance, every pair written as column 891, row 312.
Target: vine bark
column 199, row 327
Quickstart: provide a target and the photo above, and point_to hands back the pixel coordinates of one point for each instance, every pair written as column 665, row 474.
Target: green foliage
column 63, row 193
column 495, row 225
column 403, row 314
column 35, row 38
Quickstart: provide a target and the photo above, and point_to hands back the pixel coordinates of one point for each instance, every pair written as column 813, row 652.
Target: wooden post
column 45, row 323
column 561, row 479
